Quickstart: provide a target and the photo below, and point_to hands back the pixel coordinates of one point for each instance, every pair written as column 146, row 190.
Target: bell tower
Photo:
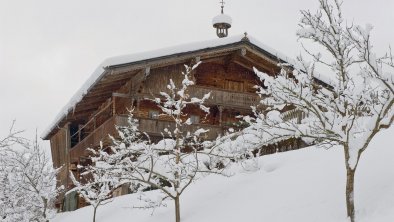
column 222, row 22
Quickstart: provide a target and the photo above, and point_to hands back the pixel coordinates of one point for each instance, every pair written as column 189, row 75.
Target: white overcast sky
column 48, row 48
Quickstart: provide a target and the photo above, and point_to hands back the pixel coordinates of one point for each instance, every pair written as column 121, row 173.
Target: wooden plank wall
column 59, row 143
column 222, row 77
column 58, row 147
column 158, row 79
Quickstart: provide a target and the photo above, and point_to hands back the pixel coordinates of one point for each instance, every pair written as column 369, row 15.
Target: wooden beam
column 248, row 63
column 98, row 100
column 216, row 60
column 106, row 84
column 120, row 76
column 138, row 79
column 104, row 87
column 243, row 65
column 122, row 95
column 261, row 55
column 147, row 72
column 172, row 60
column 72, row 116
column 85, row 108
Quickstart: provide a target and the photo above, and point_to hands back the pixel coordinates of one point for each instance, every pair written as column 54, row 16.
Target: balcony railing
column 95, row 130
column 220, row 97
column 225, row 97
column 153, row 127
column 94, row 138
column 157, row 127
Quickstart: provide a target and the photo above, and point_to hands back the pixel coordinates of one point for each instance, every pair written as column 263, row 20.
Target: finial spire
column 222, row 2
column 245, row 38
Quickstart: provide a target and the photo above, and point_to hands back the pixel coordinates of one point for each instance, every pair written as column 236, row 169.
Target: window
column 153, row 114
column 74, row 133
column 195, row 119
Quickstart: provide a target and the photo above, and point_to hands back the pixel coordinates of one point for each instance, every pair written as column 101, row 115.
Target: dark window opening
column 77, row 134
column 74, row 134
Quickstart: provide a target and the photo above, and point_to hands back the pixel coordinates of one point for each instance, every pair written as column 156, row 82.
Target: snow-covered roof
column 126, row 59
column 222, row 18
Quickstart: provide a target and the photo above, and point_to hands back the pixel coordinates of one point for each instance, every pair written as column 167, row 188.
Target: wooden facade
column 225, row 71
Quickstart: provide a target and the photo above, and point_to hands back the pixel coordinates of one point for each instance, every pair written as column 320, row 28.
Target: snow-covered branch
column 169, row 165
column 13, row 137
column 350, row 110
column 96, row 184
column 28, row 184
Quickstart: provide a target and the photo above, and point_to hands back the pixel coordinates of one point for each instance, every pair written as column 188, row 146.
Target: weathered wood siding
column 230, row 86
column 151, row 126
column 227, row 75
column 59, row 149
column 226, row 98
column 158, row 79
column 100, row 134
column 231, row 77
column 59, row 143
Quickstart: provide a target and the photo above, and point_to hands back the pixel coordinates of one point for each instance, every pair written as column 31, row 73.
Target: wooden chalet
column 122, row 82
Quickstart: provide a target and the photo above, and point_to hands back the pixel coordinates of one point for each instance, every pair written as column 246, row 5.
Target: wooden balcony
column 153, row 127
column 156, row 127
column 98, row 131
column 225, row 98
column 94, row 138
column 220, row 97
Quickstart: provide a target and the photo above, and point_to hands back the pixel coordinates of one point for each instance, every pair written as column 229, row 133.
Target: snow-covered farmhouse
column 119, row 83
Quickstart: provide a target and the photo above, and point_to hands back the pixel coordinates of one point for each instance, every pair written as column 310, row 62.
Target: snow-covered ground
column 304, row 185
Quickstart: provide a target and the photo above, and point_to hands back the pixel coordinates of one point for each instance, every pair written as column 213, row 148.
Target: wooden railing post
column 80, row 127
column 113, row 105
column 220, row 115
column 138, row 105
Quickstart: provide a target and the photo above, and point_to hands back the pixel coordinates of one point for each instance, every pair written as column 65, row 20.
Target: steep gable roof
column 147, row 59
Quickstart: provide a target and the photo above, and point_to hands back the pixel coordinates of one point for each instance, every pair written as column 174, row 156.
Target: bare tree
column 13, row 138
column 96, row 184
column 28, row 182
column 349, row 111
column 170, row 165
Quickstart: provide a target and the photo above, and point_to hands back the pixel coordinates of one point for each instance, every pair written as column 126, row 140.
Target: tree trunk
column 350, row 193
column 177, row 209
column 94, row 213
column 350, row 172
column 44, row 213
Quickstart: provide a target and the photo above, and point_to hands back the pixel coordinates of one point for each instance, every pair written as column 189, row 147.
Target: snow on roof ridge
column 118, row 60
column 182, row 48
column 272, row 51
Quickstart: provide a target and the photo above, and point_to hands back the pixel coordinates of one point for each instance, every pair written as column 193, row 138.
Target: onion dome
column 222, row 23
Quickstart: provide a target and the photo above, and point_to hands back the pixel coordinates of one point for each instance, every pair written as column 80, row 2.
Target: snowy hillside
column 305, row 185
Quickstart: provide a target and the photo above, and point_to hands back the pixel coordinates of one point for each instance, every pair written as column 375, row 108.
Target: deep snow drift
column 304, row 185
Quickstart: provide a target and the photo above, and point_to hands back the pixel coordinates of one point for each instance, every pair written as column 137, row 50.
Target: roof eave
column 181, row 55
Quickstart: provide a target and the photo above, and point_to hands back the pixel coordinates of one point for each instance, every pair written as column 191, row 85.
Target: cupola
column 222, row 23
